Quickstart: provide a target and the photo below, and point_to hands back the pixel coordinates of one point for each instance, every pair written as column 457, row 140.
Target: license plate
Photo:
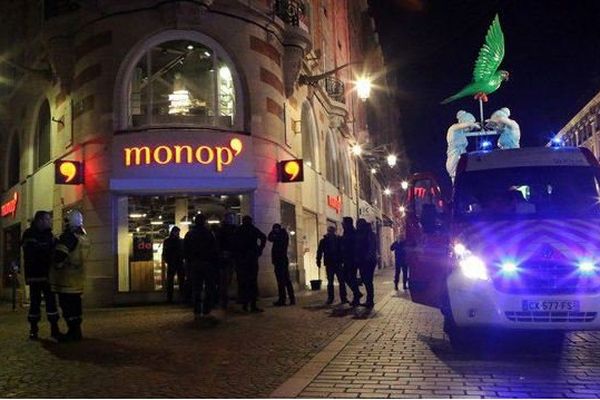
column 550, row 305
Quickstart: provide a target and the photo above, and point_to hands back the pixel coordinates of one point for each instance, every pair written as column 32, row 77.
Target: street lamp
column 363, row 87
column 357, row 150
column 404, row 185
column 391, row 160
column 387, row 191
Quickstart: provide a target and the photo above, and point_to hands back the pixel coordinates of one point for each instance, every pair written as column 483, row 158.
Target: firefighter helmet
column 74, row 218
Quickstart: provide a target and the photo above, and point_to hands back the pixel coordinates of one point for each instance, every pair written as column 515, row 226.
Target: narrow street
column 309, row 350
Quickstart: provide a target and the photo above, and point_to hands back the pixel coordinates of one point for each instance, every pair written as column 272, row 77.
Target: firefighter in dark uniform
column 172, row 255
column 350, row 267
column 38, row 243
column 280, row 239
column 67, row 275
column 201, row 253
column 250, row 243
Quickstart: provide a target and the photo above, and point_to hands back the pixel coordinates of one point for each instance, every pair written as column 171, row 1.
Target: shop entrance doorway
column 144, row 222
column 310, row 242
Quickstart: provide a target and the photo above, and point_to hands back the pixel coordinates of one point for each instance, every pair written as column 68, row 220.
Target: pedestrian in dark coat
column 366, row 257
column 172, row 255
column 330, row 251
column 350, row 267
column 201, row 252
column 226, row 241
column 280, row 239
column 38, row 244
column 250, row 243
column 398, row 247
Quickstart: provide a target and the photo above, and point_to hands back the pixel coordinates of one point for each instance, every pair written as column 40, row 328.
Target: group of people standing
column 54, row 267
column 355, row 252
column 206, row 260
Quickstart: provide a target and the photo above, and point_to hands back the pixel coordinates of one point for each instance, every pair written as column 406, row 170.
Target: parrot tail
column 451, row 98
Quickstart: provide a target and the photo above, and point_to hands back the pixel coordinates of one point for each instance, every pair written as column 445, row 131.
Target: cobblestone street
column 308, row 351
column 159, row 351
column 402, row 352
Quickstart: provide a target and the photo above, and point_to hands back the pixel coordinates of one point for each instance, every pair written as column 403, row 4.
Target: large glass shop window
column 182, row 82
column 145, row 222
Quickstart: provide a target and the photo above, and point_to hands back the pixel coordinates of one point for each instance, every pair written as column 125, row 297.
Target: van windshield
column 527, row 192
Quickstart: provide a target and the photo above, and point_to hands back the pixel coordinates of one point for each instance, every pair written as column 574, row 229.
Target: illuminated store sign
column 10, row 207
column 169, row 154
column 335, row 202
column 291, row 171
column 68, row 172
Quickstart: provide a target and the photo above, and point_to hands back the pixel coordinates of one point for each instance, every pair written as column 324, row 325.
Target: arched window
column 331, row 154
column 345, row 181
column 42, row 136
column 309, row 134
column 14, row 161
column 182, row 82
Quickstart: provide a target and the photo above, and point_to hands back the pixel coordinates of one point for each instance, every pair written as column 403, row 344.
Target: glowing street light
column 387, row 191
column 363, row 88
column 404, row 185
column 391, row 160
column 356, row 150
column 373, row 171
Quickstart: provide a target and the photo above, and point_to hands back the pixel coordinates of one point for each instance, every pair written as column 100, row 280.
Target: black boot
column 76, row 335
column 55, row 331
column 33, row 331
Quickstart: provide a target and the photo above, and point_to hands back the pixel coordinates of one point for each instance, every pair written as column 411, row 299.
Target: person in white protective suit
column 457, row 139
column 508, row 129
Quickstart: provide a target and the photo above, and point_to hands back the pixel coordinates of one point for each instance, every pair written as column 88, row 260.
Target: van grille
column 546, row 278
column 550, row 316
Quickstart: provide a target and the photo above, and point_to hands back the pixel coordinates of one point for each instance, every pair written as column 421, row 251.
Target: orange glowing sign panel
column 68, row 172
column 220, row 156
column 291, row 171
column 10, row 207
column 335, row 202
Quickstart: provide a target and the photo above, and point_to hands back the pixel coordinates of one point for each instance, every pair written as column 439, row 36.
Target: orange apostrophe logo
column 221, row 156
column 291, row 171
column 68, row 170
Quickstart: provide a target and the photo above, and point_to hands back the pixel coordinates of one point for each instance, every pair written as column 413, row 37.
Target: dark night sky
column 552, row 54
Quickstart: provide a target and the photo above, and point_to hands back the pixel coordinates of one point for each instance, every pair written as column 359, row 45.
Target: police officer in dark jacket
column 172, row 255
column 330, row 250
column 250, row 242
column 201, row 252
column 280, row 239
column 38, row 243
column 226, row 242
column 366, row 257
column 398, row 247
column 349, row 259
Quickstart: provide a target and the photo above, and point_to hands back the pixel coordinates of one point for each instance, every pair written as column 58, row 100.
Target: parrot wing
column 491, row 53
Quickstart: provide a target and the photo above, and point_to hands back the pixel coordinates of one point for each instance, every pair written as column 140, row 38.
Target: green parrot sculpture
column 486, row 78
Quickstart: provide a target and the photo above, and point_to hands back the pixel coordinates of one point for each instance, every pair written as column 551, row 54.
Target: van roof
column 526, row 157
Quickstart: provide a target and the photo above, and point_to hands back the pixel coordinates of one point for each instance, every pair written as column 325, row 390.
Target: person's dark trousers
column 350, row 276
column 282, row 274
column 70, row 304
column 202, row 287
column 367, row 272
column 248, row 272
column 171, row 272
column 404, row 269
column 332, row 272
column 37, row 290
column 225, row 273
column 186, row 287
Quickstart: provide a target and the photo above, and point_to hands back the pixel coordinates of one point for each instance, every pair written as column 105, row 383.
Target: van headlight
column 473, row 267
column 470, row 265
